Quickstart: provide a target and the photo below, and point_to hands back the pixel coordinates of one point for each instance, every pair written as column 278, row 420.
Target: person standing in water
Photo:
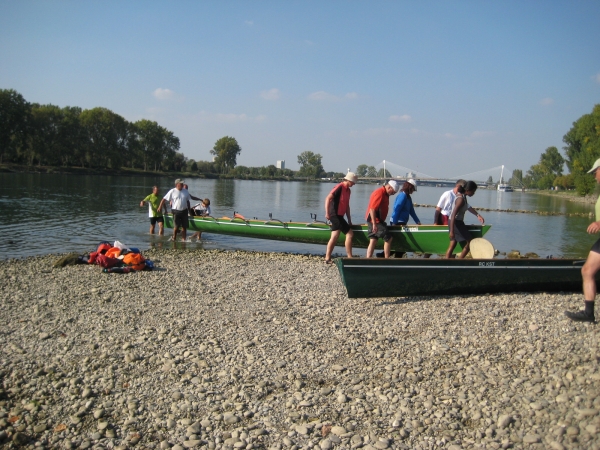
column 377, row 211
column 457, row 228
column 154, row 212
column 591, row 266
column 337, row 205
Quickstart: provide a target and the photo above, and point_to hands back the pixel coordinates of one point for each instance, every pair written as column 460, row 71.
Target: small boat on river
column 410, row 238
column 377, row 277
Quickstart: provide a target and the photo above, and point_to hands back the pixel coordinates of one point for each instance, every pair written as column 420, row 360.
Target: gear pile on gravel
column 234, row 350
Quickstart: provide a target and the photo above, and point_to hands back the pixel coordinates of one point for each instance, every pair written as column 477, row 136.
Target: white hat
column 179, row 180
column 595, row 166
column 395, row 185
column 413, row 182
column 351, row 176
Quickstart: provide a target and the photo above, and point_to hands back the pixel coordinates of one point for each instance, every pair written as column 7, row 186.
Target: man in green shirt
column 155, row 214
column 591, row 266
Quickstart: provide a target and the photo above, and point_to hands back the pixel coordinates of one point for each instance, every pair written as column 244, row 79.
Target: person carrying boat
column 457, row 228
column 444, row 205
column 202, row 209
column 403, row 206
column 179, row 199
column 154, row 212
column 377, row 211
column 591, row 266
column 337, row 205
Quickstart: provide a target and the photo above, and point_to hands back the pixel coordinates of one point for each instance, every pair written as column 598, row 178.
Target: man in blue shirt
column 403, row 207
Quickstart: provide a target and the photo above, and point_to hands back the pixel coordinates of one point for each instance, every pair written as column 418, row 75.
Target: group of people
column 450, row 211
column 180, row 201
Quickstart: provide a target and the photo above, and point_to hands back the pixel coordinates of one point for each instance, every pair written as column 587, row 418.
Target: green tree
column 108, row 135
column 361, row 170
column 225, row 151
column 490, row 180
column 371, row 172
column 381, row 174
column 583, row 148
column 15, row 120
column 517, row 178
column 552, row 161
column 310, row 164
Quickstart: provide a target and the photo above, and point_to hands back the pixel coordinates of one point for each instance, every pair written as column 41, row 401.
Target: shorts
column 443, row 219
column 153, row 220
column 379, row 230
column 461, row 232
column 180, row 218
column 596, row 247
column 339, row 223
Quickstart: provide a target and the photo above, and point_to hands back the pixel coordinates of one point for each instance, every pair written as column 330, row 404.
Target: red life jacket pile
column 107, row 256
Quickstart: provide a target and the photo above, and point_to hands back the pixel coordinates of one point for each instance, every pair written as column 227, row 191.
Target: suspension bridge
column 387, row 169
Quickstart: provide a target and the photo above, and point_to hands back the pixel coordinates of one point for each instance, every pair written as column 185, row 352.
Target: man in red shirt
column 337, row 204
column 377, row 213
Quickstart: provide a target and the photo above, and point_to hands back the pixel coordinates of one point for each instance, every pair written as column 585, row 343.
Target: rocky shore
column 240, row 350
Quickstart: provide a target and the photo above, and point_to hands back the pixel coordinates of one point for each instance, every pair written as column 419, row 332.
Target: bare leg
column 465, row 251
column 387, row 246
column 183, row 234
column 588, row 273
column 349, row 236
column 331, row 244
column 371, row 247
column 161, row 229
column 151, row 228
column 451, row 248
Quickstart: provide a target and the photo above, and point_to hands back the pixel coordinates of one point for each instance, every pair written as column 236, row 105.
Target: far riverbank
column 571, row 196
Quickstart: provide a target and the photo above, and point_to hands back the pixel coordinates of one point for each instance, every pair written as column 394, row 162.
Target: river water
column 51, row 213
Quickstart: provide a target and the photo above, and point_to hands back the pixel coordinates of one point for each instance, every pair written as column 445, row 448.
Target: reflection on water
column 59, row 213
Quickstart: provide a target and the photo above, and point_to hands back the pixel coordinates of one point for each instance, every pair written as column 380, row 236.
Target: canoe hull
column 376, row 277
column 415, row 238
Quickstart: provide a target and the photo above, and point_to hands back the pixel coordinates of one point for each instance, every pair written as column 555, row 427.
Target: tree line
column 34, row 134
column 582, row 148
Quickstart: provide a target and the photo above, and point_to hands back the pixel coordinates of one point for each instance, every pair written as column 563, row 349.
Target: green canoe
column 411, row 238
column 378, row 277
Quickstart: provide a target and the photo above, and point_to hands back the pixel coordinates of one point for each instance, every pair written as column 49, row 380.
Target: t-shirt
column 202, row 210
column 402, row 208
column 598, row 209
column 460, row 213
column 179, row 199
column 153, row 203
column 446, row 202
column 341, row 200
column 380, row 202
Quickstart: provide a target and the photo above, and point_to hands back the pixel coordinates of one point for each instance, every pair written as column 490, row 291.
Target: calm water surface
column 46, row 213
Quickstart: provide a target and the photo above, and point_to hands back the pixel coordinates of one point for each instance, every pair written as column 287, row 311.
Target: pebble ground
column 242, row 350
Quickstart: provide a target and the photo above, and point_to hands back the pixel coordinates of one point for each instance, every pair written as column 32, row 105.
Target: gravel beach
column 242, row 350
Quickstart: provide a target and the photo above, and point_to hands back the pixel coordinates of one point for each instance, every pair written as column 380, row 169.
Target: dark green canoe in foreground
column 377, row 277
column 412, row 238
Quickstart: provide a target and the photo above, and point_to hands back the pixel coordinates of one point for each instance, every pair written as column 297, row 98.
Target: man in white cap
column 591, row 266
column 337, row 204
column 377, row 211
column 180, row 202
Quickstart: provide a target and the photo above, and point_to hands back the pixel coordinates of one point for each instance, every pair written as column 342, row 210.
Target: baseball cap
column 351, row 176
column 595, row 166
column 179, row 180
column 413, row 182
column 395, row 185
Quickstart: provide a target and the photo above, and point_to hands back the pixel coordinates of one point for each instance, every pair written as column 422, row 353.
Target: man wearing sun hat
column 180, row 202
column 377, row 211
column 591, row 266
column 337, row 204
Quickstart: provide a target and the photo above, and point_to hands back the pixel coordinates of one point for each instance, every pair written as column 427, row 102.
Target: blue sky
column 447, row 88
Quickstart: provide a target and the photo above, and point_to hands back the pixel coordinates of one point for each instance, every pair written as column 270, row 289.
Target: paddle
column 481, row 249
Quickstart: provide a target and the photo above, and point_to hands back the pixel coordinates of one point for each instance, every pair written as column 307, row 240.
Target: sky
column 445, row 88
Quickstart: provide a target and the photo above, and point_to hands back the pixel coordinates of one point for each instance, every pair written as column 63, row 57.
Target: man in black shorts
column 377, row 211
column 591, row 266
column 337, row 204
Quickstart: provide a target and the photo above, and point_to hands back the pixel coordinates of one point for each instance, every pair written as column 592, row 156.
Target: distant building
column 281, row 164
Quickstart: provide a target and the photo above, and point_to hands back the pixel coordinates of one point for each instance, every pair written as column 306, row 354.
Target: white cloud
column 271, row 94
column 249, row 22
column 351, row 95
column 164, row 94
column 307, row 42
column 546, row 101
column 597, row 77
column 260, row 118
column 402, row 118
column 482, row 134
column 231, row 117
column 323, row 96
